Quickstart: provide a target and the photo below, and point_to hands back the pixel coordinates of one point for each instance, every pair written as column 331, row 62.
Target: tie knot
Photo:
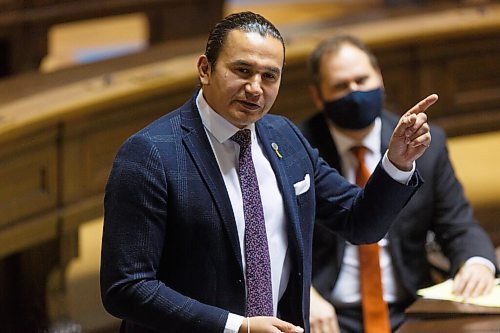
column 359, row 152
column 243, row 138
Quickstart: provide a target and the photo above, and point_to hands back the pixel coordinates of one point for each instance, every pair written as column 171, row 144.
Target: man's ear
column 204, row 69
column 316, row 96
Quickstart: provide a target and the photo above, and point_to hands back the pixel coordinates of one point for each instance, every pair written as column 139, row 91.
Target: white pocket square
column 303, row 185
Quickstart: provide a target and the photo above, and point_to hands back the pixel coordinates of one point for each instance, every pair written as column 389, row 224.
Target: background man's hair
column 244, row 21
column 332, row 46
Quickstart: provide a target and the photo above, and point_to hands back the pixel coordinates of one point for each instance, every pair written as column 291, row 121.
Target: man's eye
column 243, row 70
column 361, row 80
column 341, row 86
column 270, row 76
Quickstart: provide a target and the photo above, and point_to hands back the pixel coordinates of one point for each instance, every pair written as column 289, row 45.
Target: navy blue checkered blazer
column 171, row 257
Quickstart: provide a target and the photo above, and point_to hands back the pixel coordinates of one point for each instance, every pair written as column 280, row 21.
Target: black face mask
column 356, row 110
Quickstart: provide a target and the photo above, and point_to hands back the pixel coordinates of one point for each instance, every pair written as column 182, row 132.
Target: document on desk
column 442, row 291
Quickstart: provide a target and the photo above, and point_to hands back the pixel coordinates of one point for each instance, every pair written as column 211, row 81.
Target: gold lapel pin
column 275, row 147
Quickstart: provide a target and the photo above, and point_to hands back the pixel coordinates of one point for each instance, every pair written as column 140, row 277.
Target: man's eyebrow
column 346, row 81
column 244, row 63
column 274, row 70
column 240, row 63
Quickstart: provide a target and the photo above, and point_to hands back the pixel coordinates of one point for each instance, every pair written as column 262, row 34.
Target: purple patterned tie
column 258, row 265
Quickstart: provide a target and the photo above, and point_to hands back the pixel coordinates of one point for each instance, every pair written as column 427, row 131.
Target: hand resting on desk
column 473, row 280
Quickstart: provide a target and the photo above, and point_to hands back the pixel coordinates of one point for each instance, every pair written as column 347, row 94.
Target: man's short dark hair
column 244, row 21
column 333, row 45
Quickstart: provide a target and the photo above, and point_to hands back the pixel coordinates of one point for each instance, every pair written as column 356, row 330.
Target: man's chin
column 248, row 117
column 242, row 122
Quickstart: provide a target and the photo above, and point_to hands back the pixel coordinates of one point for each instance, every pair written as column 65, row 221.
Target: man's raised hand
column 412, row 136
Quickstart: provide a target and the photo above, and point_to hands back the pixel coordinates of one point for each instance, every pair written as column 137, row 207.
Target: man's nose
column 254, row 87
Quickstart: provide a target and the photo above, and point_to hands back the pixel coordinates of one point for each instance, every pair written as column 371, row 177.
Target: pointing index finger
column 423, row 104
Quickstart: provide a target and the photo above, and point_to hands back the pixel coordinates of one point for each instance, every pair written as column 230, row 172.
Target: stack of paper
column 443, row 291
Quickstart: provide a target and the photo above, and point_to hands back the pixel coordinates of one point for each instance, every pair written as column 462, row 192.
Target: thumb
column 288, row 327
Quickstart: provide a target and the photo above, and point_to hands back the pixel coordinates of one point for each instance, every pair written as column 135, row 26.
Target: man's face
column 343, row 72
column 246, row 79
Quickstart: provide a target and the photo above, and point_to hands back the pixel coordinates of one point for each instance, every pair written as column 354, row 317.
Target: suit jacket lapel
column 324, row 142
column 328, row 151
column 267, row 137
column 198, row 146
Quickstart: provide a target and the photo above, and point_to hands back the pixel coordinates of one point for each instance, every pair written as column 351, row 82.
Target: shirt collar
column 372, row 141
column 217, row 125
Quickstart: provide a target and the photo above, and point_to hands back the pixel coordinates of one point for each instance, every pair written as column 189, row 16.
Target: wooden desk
column 24, row 24
column 477, row 324
column 434, row 316
column 432, row 309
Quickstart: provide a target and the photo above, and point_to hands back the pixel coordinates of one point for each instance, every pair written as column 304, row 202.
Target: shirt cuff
column 482, row 261
column 233, row 323
column 400, row 176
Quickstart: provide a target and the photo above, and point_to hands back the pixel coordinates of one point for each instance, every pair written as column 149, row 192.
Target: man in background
column 347, row 86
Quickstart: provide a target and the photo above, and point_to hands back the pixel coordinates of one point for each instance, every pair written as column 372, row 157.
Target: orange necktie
column 375, row 311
